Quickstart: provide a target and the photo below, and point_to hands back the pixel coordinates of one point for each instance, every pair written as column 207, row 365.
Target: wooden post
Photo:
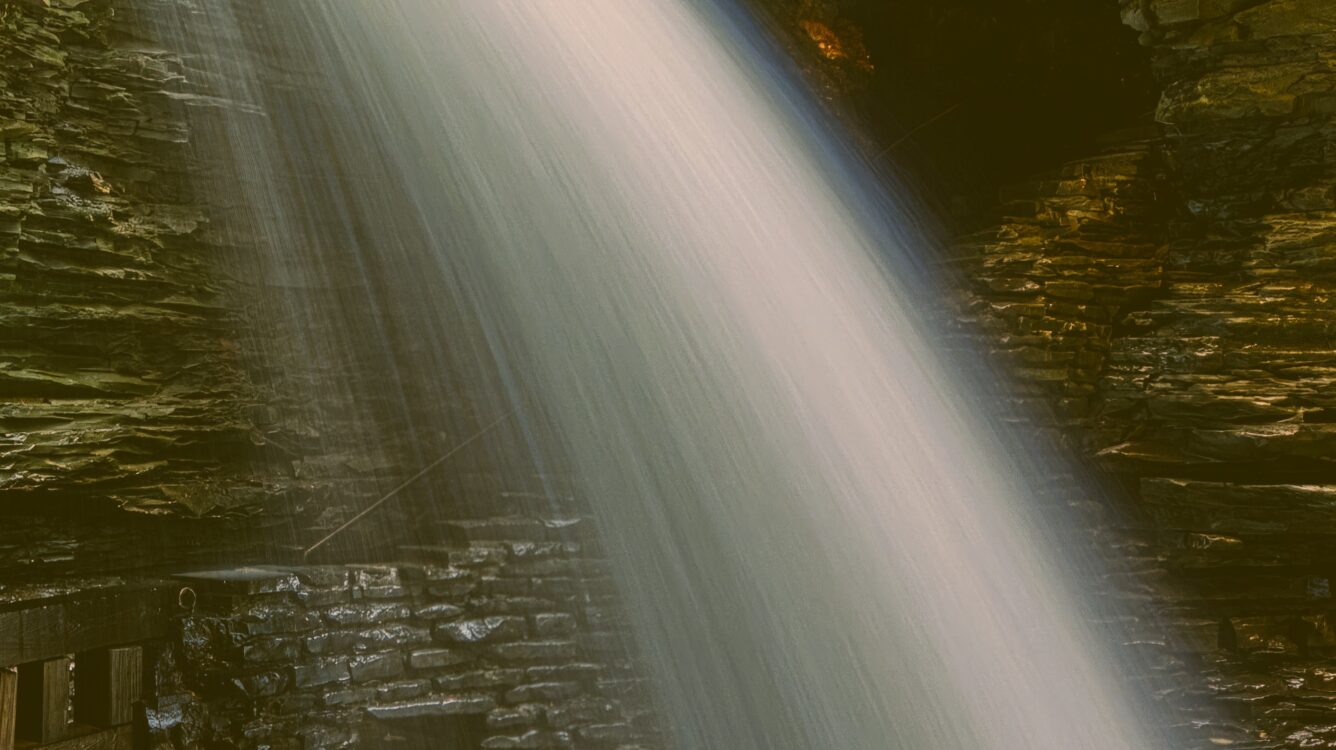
column 107, row 682
column 9, row 695
column 44, row 700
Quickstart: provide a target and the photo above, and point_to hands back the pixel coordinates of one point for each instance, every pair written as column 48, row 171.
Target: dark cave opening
column 962, row 97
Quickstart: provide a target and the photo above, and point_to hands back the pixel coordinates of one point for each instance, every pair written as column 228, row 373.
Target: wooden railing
column 77, row 667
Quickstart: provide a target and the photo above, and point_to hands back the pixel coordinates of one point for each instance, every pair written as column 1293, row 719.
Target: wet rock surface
column 117, row 375
column 154, row 421
column 1164, row 305
column 296, row 657
column 126, row 410
column 1164, row 302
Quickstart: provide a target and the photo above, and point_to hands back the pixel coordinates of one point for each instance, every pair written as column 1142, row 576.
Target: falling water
column 818, row 535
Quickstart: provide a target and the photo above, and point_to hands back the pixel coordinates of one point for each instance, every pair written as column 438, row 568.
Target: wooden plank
column 9, row 694
column 44, row 700
column 107, row 682
column 83, row 622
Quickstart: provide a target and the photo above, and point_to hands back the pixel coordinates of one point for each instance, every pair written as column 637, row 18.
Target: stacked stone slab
column 515, row 624
column 1073, row 252
column 1219, row 393
column 117, row 373
column 1201, row 373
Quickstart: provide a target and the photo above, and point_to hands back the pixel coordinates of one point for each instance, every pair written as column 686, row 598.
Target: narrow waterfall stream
column 707, row 309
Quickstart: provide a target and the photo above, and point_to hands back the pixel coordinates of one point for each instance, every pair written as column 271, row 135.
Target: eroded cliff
column 1166, row 305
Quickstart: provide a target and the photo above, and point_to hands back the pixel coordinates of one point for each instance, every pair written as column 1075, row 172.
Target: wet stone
column 558, row 589
column 323, row 576
column 394, row 634
column 434, row 573
column 358, row 696
column 553, row 624
column 296, row 703
column 205, row 636
column 550, row 566
column 543, row 692
column 512, row 605
column 402, row 690
column 366, row 613
column 535, row 651
column 543, row 549
column 379, row 592
column 477, row 556
column 438, row 658
column 332, row 642
column 321, row 736
column 496, row 530
column 516, row 716
column 584, row 710
column 535, row 739
column 272, row 648
column 484, row 630
column 277, row 618
column 261, row 684
column 376, row 666
column 445, row 705
column 486, row 678
column 563, row 672
column 375, row 577
column 437, row 611
column 323, row 597
column 622, row 687
column 452, row 589
column 323, row 671
column 493, row 586
column 606, row 733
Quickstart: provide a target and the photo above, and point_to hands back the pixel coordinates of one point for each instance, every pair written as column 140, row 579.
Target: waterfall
column 705, row 309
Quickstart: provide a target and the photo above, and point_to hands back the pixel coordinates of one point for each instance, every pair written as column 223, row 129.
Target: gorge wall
column 124, row 401
column 509, row 637
column 169, row 449
column 1165, row 306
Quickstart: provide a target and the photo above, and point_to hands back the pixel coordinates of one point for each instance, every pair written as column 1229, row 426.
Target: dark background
column 1017, row 86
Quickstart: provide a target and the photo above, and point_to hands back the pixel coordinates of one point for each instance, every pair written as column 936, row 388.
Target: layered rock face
column 510, row 637
column 118, row 369
column 160, row 415
column 1166, row 306
column 124, row 401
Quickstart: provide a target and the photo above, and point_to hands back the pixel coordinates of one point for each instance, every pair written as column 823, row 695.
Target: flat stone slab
column 438, row 705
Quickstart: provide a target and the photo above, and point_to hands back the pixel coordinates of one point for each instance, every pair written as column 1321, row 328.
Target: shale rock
column 1165, row 307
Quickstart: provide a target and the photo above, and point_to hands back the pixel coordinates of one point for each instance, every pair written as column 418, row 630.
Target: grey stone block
column 483, row 630
column 369, row 667
column 444, row 705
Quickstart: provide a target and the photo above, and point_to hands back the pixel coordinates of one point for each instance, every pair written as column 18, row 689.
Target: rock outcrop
column 118, row 373
column 509, row 638
column 1166, row 306
column 158, row 417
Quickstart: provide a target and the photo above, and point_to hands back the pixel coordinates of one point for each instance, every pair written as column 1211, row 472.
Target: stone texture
column 259, row 654
column 453, row 705
column 133, row 386
column 118, row 376
column 1164, row 307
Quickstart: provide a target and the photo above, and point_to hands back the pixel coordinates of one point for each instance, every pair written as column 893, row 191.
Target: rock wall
column 1166, row 305
column 117, row 372
column 157, row 419
column 511, row 640
column 124, row 404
